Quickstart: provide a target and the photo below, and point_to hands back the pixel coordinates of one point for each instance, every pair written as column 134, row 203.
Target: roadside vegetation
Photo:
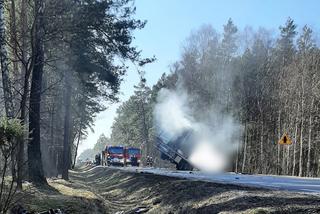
column 105, row 190
column 59, row 60
column 63, row 61
column 11, row 131
column 267, row 82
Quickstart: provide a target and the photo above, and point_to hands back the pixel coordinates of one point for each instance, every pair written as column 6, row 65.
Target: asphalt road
column 288, row 183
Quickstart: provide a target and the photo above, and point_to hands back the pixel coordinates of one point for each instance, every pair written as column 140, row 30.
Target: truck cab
column 113, row 155
column 176, row 150
column 132, row 156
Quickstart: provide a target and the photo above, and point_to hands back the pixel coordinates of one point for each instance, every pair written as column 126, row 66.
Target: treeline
column 99, row 146
column 60, row 59
column 268, row 83
column 134, row 125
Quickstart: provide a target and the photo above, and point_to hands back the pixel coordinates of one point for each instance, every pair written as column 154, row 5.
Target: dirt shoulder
column 125, row 191
column 105, row 190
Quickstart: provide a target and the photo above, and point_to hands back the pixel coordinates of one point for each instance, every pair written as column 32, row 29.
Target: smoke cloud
column 215, row 139
column 172, row 114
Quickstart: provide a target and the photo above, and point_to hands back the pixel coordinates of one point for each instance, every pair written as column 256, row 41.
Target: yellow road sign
column 285, row 140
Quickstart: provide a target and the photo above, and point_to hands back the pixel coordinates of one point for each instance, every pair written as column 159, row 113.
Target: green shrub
column 10, row 130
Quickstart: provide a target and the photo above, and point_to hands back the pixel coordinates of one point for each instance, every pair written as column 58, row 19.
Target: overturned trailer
column 177, row 150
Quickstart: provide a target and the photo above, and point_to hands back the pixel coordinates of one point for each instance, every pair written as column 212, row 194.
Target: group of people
column 149, row 161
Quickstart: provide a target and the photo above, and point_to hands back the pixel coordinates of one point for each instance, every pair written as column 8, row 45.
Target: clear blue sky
column 171, row 21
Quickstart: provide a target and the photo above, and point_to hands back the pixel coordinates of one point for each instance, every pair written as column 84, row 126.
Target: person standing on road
column 149, row 161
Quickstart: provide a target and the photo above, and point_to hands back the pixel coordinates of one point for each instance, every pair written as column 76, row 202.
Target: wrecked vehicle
column 177, row 149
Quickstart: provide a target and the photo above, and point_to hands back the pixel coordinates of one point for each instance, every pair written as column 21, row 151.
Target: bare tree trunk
column 278, row 146
column 6, row 83
column 301, row 150
column 145, row 129
column 23, row 104
column 267, row 163
column 76, row 152
column 284, row 154
column 237, row 157
column 288, row 148
column 67, row 128
column 302, row 129
column 244, row 148
column 14, row 39
column 35, row 167
column 295, row 141
column 261, row 148
column 309, row 140
column 288, row 160
column 316, row 157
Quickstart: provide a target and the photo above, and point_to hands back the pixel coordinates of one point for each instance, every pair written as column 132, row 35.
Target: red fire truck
column 113, row 155
column 132, row 156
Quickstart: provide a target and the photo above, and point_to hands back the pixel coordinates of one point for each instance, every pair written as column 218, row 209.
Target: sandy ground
column 105, row 190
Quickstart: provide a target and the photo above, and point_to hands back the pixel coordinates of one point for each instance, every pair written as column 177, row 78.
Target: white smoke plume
column 172, row 114
column 216, row 139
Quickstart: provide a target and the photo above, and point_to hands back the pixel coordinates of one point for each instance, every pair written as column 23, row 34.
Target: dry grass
column 65, row 188
column 105, row 190
column 67, row 196
column 124, row 191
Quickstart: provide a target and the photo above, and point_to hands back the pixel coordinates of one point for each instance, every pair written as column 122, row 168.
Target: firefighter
column 149, row 161
column 134, row 161
column 98, row 159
